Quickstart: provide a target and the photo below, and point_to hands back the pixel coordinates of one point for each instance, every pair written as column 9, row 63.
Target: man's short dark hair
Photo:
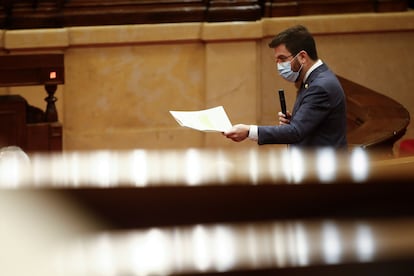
column 296, row 39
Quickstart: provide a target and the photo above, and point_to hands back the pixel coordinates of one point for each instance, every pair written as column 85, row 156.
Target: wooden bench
column 375, row 121
column 30, row 14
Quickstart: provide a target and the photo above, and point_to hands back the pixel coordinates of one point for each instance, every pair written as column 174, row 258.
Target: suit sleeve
column 311, row 109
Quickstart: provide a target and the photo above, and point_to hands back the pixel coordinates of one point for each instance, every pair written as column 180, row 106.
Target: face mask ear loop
column 300, row 68
column 301, row 65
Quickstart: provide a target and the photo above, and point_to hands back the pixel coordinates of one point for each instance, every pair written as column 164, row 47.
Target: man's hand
column 283, row 120
column 238, row 132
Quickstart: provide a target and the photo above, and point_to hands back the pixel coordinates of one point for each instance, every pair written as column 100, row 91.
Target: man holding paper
column 319, row 113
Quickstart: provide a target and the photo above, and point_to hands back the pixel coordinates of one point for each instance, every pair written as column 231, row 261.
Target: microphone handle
column 282, row 101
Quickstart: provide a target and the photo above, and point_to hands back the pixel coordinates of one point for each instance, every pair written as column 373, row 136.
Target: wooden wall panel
column 240, row 10
column 92, row 12
column 307, row 7
column 391, row 5
column 12, row 120
column 278, row 8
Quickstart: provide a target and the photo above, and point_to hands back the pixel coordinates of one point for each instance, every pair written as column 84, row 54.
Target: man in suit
column 318, row 118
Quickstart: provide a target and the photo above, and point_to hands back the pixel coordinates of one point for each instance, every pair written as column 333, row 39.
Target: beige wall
column 122, row 80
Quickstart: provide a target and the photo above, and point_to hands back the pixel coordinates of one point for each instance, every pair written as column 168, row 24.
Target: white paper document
column 213, row 119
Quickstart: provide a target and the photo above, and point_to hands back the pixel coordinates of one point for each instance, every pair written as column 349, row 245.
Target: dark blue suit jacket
column 318, row 117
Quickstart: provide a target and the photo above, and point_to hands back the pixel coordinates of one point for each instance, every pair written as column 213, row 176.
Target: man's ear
column 303, row 56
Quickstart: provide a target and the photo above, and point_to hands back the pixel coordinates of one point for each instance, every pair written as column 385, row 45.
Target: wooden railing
column 26, row 14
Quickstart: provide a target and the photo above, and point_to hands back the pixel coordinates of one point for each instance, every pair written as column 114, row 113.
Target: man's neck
column 306, row 71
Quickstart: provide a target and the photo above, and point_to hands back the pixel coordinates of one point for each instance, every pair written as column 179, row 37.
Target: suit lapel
column 304, row 86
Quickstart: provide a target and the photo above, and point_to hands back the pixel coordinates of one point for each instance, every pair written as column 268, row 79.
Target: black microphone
column 282, row 101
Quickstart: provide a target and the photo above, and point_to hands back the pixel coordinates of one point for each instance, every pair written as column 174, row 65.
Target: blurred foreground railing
column 196, row 167
column 188, row 212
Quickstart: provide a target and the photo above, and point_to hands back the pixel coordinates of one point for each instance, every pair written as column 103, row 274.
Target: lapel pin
column 306, row 85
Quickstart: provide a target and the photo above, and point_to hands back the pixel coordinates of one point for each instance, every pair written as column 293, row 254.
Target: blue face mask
column 285, row 70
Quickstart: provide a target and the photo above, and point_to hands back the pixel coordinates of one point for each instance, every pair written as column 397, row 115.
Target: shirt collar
column 313, row 67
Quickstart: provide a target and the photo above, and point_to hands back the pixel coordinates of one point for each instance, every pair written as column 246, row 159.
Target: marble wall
column 121, row 81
